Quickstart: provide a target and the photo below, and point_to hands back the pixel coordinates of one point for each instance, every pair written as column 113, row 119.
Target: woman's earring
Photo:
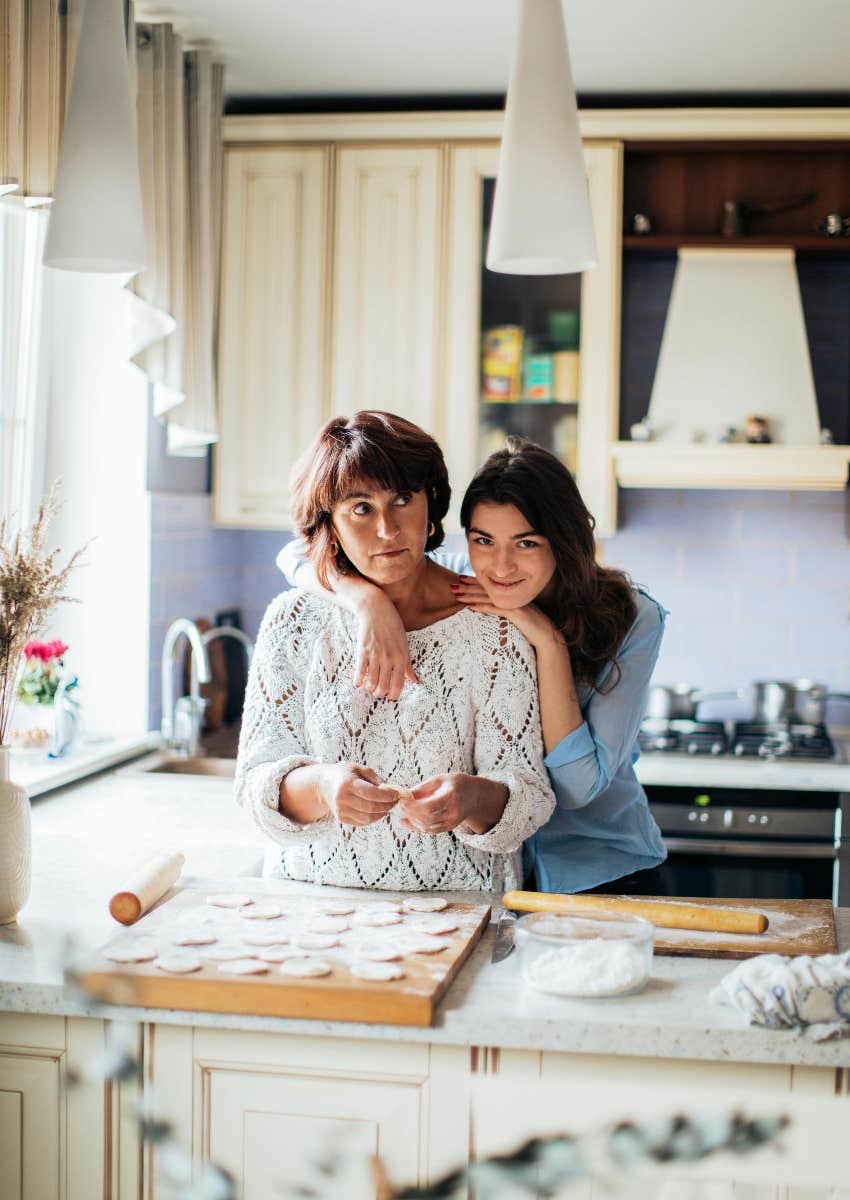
column 334, row 548
column 432, row 529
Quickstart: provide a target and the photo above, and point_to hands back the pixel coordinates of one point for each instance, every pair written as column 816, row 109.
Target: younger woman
column 596, row 638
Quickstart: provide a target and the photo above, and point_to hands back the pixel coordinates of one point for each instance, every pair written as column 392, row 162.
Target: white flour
column 595, row 967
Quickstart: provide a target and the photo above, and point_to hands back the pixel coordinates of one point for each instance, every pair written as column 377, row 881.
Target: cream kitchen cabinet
column 272, row 332
column 268, row 1107
column 64, row 1133
column 389, row 223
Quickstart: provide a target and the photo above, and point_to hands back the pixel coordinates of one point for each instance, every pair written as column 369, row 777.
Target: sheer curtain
column 24, row 377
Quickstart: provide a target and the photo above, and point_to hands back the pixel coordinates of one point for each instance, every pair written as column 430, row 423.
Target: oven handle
column 750, row 849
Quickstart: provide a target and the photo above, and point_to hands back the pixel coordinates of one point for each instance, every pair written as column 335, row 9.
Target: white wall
column 97, row 443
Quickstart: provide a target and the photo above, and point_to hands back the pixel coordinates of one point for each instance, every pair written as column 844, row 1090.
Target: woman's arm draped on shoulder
column 382, row 656
column 585, row 762
column 508, row 742
column 271, row 742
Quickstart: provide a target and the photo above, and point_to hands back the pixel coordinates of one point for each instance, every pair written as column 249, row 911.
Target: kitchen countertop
column 88, row 837
column 40, row 774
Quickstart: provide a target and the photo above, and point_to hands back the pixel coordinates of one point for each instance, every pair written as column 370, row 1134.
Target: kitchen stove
column 745, row 739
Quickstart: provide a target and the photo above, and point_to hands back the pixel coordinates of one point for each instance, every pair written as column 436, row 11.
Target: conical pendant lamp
column 96, row 220
column 541, row 214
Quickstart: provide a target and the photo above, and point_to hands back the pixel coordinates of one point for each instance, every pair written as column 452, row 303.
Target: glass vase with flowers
column 31, row 585
column 39, row 681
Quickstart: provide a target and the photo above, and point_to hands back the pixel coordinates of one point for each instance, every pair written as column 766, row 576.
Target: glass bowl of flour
column 584, row 956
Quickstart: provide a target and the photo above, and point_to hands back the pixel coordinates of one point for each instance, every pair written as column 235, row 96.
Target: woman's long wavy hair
column 592, row 605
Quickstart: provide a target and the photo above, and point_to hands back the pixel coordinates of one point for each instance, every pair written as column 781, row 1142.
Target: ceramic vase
column 15, row 844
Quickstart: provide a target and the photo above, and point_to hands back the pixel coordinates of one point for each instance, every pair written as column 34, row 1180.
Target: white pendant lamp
column 541, row 214
column 96, row 220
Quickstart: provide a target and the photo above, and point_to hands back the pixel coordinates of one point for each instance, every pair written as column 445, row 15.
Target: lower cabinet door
column 268, row 1130
column 30, row 1167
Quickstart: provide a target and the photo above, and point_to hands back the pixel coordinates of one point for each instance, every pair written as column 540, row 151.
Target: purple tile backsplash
column 757, row 583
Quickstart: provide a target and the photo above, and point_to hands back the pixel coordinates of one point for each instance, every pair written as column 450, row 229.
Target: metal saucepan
column 777, row 700
column 810, row 701
column 679, row 701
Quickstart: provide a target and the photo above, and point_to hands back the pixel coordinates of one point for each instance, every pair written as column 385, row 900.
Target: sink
column 225, row 768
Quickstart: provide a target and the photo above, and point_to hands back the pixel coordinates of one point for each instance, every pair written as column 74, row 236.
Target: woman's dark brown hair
column 375, row 447
column 591, row 605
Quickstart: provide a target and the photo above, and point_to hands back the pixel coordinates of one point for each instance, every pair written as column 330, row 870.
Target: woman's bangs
column 369, row 465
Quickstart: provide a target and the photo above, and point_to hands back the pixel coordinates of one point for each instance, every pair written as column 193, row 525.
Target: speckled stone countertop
column 87, row 838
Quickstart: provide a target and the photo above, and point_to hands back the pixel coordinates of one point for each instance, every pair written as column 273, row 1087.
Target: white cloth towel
column 811, row 995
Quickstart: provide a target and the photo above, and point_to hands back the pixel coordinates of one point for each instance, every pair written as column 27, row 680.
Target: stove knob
column 739, row 749
column 728, row 818
column 751, row 819
column 692, row 816
column 763, row 819
column 692, row 747
column 703, row 817
column 716, row 747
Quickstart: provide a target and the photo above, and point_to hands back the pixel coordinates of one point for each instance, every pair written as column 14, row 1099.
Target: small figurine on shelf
column 641, row 225
column 834, row 225
column 758, row 431
column 641, row 431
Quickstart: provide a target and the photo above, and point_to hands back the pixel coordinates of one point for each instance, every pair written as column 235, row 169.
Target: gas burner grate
column 753, row 740
column 681, row 736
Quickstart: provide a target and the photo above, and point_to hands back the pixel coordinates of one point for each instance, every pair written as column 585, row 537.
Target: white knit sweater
column 474, row 710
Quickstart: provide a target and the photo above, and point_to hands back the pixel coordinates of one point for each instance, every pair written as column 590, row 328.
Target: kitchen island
column 238, row 1088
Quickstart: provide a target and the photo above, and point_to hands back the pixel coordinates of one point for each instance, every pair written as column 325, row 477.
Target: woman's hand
column 530, row 621
column 443, row 802
column 382, row 661
column 355, row 795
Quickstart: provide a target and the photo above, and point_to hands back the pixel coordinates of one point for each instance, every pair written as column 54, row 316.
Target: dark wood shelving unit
column 664, row 242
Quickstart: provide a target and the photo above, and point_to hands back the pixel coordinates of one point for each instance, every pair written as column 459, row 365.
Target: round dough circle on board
column 435, row 924
column 229, row 900
column 130, row 952
column 264, row 937
column 229, row 953
column 305, row 967
column 335, row 908
column 377, row 917
column 178, row 963
column 243, row 966
column 379, row 971
column 378, row 951
column 425, row 904
column 194, row 937
column 328, row 925
column 425, row 943
column 265, row 910
column 278, row 954
column 315, row 941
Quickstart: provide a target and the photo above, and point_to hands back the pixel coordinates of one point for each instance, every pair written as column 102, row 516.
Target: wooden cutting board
column 335, row 997
column 795, row 927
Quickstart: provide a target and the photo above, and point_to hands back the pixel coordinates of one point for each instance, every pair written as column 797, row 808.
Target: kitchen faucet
column 181, row 720
column 231, row 631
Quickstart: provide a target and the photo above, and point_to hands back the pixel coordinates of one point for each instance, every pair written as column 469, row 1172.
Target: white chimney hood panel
column 734, row 346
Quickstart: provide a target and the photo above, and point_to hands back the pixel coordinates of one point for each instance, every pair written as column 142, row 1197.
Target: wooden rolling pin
column 666, row 913
column 145, row 887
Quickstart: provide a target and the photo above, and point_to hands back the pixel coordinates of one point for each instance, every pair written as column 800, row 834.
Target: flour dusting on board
column 794, row 927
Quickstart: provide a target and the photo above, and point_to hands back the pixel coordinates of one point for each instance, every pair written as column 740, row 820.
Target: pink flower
column 45, row 651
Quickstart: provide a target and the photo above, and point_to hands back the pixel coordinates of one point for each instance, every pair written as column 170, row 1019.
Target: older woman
column 439, row 789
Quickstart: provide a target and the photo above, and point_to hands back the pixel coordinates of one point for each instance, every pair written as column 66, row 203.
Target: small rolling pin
column 145, row 887
column 665, row 913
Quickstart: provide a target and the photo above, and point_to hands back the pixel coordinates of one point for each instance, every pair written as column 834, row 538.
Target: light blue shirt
column 601, row 828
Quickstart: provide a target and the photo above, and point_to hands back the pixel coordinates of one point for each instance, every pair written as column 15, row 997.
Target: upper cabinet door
column 536, row 356
column 272, row 374
column 386, row 282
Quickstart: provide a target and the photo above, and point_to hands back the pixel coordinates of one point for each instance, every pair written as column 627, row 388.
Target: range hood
column 734, row 346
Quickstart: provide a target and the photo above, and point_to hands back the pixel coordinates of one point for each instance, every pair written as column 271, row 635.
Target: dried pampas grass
column 31, row 585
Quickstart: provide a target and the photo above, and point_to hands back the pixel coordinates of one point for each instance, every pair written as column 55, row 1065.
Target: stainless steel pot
column 679, row 701
column 810, row 701
column 774, row 701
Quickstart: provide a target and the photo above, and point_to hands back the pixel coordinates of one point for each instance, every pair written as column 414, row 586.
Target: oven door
column 730, row 868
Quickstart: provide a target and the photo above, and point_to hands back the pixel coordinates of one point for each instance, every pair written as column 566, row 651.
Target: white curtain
column 174, row 303
column 24, row 376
